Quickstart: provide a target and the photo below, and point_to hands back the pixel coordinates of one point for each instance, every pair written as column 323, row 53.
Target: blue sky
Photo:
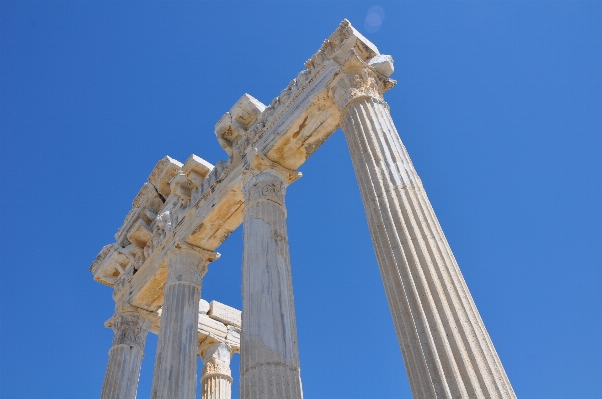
column 498, row 103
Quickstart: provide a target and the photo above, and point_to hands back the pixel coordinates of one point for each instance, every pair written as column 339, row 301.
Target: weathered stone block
column 225, row 314
column 140, row 234
column 208, row 326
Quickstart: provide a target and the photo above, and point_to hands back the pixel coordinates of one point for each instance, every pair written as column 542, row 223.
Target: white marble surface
column 445, row 346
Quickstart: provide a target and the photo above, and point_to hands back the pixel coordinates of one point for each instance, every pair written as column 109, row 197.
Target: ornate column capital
column 216, row 358
column 359, row 79
column 188, row 264
column 130, row 325
column 265, row 179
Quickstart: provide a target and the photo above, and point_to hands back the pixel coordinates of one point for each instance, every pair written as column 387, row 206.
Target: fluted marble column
column 446, row 348
column 175, row 364
column 217, row 379
column 125, row 356
column 269, row 364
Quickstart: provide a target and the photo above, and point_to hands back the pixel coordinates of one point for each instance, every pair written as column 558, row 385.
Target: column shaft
column 125, row 357
column 269, row 354
column 175, row 365
column 446, row 348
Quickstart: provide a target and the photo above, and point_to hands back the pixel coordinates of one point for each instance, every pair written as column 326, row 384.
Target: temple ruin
column 186, row 210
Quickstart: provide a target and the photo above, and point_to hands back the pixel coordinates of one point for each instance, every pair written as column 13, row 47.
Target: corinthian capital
column 265, row 179
column 130, row 325
column 359, row 79
column 188, row 264
column 216, row 357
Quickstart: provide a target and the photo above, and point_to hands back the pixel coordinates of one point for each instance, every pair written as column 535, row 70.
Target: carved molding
column 216, row 357
column 188, row 264
column 265, row 179
column 130, row 325
column 356, row 80
column 344, row 38
column 123, row 281
column 264, row 186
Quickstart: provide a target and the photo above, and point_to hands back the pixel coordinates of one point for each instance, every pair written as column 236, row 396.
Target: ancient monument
column 185, row 211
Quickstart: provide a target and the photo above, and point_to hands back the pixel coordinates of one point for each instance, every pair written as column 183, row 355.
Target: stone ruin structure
column 186, row 210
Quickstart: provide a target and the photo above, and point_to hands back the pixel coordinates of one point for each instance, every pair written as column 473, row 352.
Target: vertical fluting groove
column 383, row 254
column 446, row 348
column 269, row 352
column 123, row 370
column 216, row 387
column 423, row 257
column 175, row 364
column 419, row 370
column 125, row 356
column 435, row 248
column 405, row 315
column 419, row 301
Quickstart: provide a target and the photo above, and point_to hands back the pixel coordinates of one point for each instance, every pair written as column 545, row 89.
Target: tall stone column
column 217, row 379
column 175, row 365
column 269, row 363
column 125, row 356
column 446, row 348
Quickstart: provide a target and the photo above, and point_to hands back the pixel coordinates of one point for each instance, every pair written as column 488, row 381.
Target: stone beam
column 217, row 323
column 201, row 204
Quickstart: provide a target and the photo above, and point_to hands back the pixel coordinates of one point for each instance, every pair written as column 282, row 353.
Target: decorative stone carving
column 147, row 203
column 139, row 260
column 182, row 186
column 446, row 348
column 165, row 170
column 269, row 186
column 195, row 165
column 264, row 186
column 358, row 79
column 140, row 234
column 130, row 329
column 111, row 263
column 217, row 380
column 217, row 361
column 123, row 281
column 339, row 43
column 233, row 125
column 188, row 264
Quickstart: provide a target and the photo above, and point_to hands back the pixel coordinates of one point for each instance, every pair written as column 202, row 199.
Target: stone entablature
column 217, row 323
column 201, row 204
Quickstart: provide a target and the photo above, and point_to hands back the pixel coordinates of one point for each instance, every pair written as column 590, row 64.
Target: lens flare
column 374, row 19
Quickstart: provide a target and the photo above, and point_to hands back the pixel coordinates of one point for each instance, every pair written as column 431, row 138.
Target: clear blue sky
column 498, row 103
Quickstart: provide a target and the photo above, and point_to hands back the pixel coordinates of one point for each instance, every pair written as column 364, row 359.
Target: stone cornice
column 359, row 79
column 202, row 205
column 258, row 163
column 344, row 38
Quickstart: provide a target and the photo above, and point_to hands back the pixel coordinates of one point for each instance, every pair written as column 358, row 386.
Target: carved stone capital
column 340, row 41
column 188, row 264
column 233, row 126
column 359, row 79
column 216, row 357
column 264, row 186
column 130, row 325
column 265, row 179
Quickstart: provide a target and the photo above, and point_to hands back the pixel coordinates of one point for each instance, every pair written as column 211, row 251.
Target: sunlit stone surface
column 186, row 210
